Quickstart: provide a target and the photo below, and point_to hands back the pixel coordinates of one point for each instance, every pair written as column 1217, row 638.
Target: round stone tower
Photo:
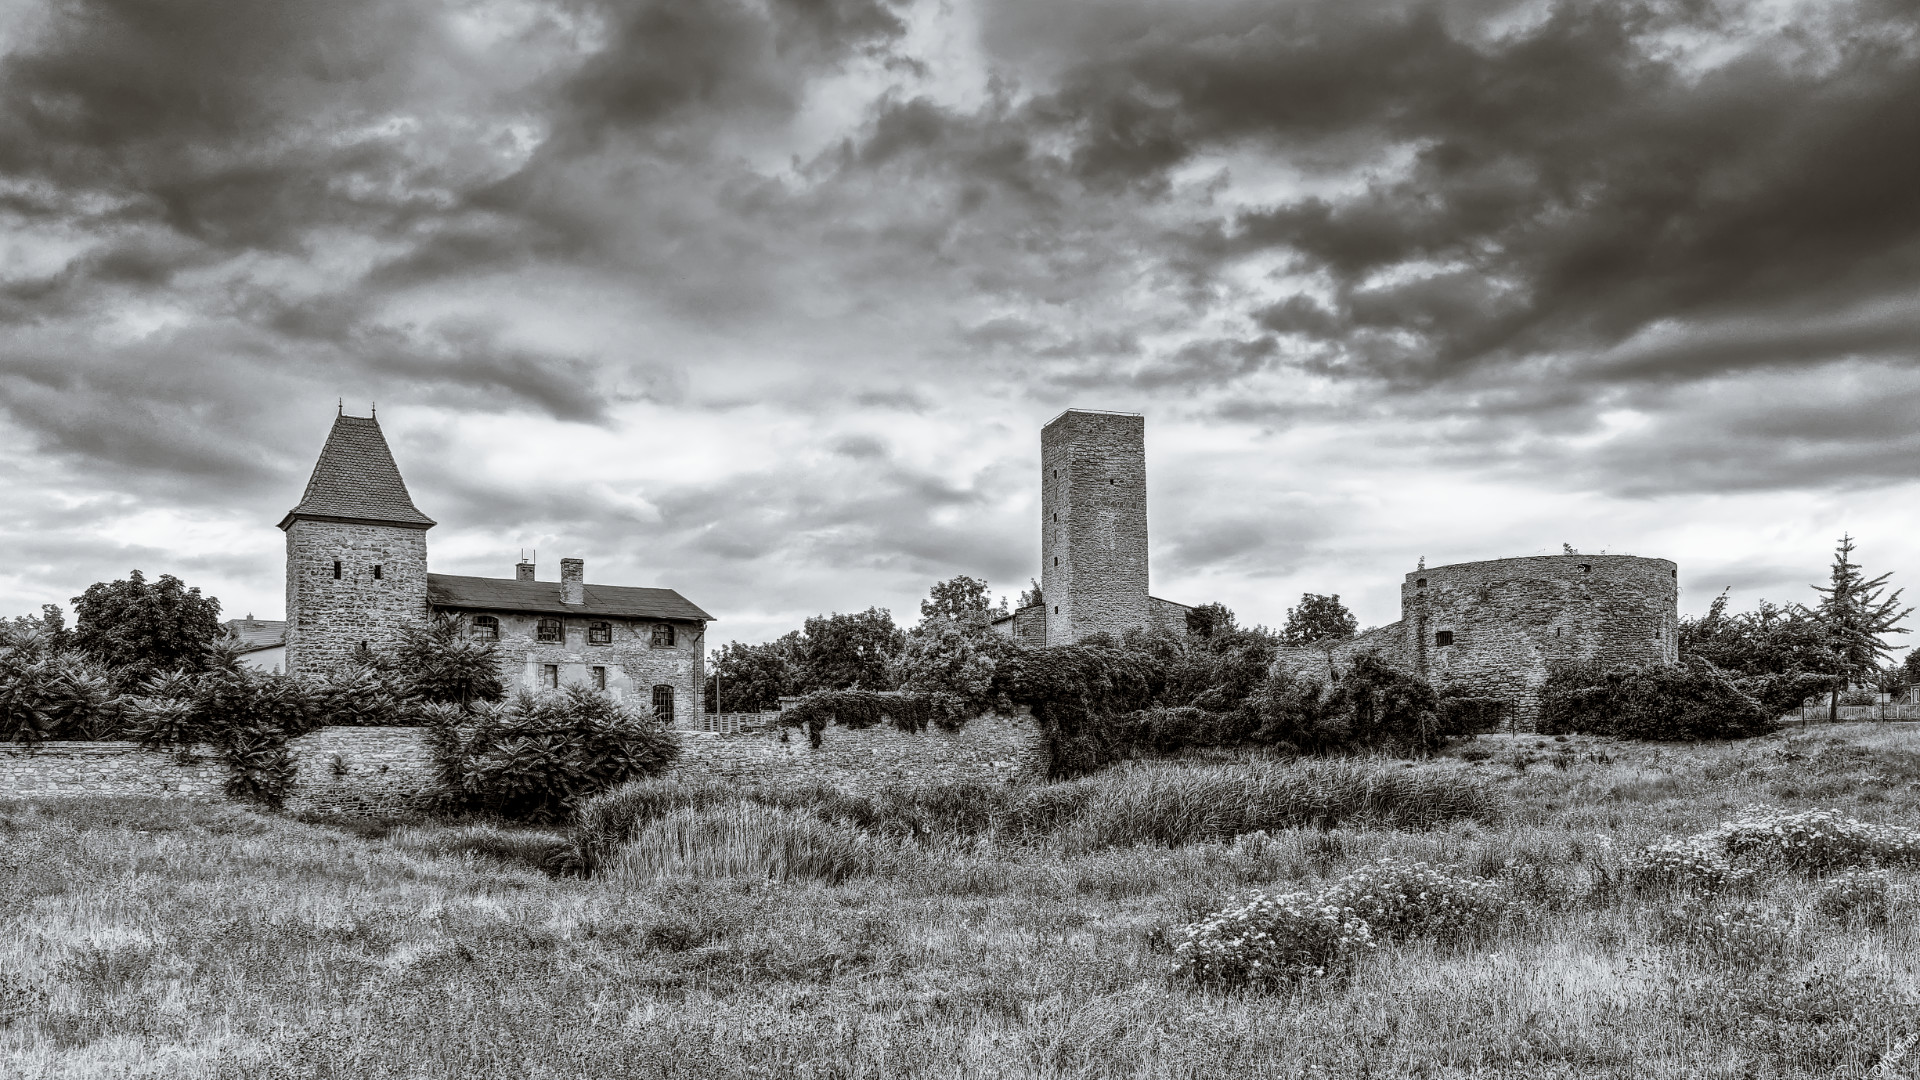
column 356, row 551
column 1492, row 628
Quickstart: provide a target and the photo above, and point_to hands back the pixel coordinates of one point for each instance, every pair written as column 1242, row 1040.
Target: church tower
column 1093, row 524
column 356, row 551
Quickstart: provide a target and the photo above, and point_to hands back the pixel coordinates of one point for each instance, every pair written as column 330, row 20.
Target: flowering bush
column 1868, row 896
column 1400, row 899
column 1749, row 934
column 1816, row 841
column 1269, row 939
column 1683, row 864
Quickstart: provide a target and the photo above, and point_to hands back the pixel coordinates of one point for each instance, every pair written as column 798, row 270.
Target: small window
column 1111, row 482
column 485, row 628
column 1056, row 609
column 1586, row 568
column 1420, row 584
column 336, row 569
column 550, row 630
column 663, row 703
column 376, row 571
column 663, row 636
column 550, row 676
column 599, row 633
column 1443, row 637
column 1056, row 517
column 599, row 678
column 1056, row 560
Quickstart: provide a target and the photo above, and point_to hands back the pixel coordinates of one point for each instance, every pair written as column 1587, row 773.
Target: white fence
column 1818, row 713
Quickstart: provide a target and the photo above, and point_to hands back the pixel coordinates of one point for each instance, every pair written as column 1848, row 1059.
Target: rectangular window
column 336, row 569
column 663, row 703
column 549, row 630
column 550, row 676
column 486, row 628
column 599, row 678
column 376, row 571
column 663, row 636
column 1443, row 637
column 599, row 633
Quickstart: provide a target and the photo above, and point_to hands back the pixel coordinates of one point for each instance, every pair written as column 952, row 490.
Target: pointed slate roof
column 356, row 480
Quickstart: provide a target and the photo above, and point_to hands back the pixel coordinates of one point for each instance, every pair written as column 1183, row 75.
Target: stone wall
column 373, row 769
column 61, row 769
column 1322, row 662
column 328, row 616
column 1093, row 524
column 993, row 748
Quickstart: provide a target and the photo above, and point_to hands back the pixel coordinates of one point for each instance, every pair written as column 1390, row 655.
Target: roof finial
column 373, row 409
column 342, row 402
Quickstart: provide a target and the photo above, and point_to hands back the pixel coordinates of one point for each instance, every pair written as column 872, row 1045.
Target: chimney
column 523, row 570
column 573, row 581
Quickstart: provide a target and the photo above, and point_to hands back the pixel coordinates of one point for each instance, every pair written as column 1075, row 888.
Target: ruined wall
column 1322, row 662
column 1508, row 619
column 634, row 666
column 988, row 748
column 65, row 769
column 1168, row 616
column 360, row 769
column 1093, row 522
column 327, row 616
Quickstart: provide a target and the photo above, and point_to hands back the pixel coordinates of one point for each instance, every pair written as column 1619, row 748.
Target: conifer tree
column 1857, row 614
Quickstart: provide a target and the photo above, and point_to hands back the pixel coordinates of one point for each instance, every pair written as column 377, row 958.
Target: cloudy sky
column 767, row 300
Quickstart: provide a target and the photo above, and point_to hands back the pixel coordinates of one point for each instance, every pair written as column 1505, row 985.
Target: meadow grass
column 169, row 939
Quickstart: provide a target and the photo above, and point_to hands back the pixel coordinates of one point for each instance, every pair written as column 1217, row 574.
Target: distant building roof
column 508, row 594
column 356, row 480
column 256, row 634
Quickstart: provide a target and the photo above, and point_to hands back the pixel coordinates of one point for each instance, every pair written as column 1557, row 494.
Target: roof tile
column 356, row 479
column 509, row 594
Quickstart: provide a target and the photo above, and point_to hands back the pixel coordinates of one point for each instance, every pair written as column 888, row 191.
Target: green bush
column 1269, row 940
column 47, row 693
column 246, row 716
column 1661, row 702
column 535, row 757
column 867, row 708
column 1401, row 899
column 1081, row 696
column 1369, row 706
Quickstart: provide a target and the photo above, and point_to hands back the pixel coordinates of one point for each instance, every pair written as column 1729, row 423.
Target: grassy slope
column 169, row 940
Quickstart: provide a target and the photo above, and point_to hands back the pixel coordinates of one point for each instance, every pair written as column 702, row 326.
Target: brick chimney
column 573, row 581
column 523, row 570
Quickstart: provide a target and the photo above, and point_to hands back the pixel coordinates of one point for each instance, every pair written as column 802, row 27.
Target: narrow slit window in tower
column 1443, row 637
column 336, row 569
column 376, row 571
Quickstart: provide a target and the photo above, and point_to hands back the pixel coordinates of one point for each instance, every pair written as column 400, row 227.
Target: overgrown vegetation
column 1682, row 703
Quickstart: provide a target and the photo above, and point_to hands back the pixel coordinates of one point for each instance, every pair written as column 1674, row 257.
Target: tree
column 753, row 678
column 441, row 663
column 50, row 625
column 962, row 598
column 1031, row 597
column 1856, row 614
column 1316, row 620
column 955, row 662
column 1770, row 640
column 139, row 629
column 841, row 652
column 1208, row 621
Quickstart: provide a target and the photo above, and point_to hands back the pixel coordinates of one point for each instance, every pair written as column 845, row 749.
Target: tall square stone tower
column 1093, row 524
column 356, row 551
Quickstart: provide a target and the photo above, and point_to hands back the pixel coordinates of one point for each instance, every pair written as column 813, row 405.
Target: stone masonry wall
column 1511, row 618
column 993, row 748
column 65, row 769
column 634, row 666
column 360, row 769
column 1093, row 521
column 1320, row 663
column 327, row 616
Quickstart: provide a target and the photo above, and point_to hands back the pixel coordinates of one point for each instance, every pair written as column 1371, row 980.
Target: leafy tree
column 954, row 662
column 1316, row 620
column 1031, row 597
column 439, row 662
column 962, row 598
column 1857, row 614
column 843, row 652
column 1370, row 705
column 51, row 624
column 753, row 678
column 139, row 629
column 1207, row 620
column 49, row 694
column 1770, row 640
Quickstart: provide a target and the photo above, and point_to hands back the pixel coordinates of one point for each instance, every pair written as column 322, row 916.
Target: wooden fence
column 733, row 723
column 1813, row 714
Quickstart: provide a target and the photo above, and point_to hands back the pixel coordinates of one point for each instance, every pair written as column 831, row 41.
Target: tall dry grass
column 746, row 840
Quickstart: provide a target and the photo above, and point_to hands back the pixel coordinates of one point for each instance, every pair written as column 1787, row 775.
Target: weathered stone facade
column 348, row 583
column 1491, row 629
column 1093, row 522
column 630, row 664
column 361, row 769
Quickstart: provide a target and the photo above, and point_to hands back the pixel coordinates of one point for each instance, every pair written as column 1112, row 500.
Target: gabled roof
column 356, row 480
column 252, row 635
column 543, row 597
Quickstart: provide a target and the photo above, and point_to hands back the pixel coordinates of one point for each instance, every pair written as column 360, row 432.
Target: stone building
column 1492, row 628
column 1093, row 534
column 357, row 574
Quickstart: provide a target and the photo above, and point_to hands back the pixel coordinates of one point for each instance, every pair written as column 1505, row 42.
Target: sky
column 766, row 301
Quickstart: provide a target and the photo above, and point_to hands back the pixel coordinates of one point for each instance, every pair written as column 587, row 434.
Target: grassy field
column 160, row 939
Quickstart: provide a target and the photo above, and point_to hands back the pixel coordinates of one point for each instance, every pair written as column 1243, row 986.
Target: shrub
column 1469, row 715
column 1749, row 934
column 1682, row 865
column 1401, row 899
column 1080, row 696
column 1653, row 702
column 1370, row 705
column 49, row 694
column 866, row 708
column 535, row 757
column 1816, row 841
column 246, row 716
column 1268, row 940
column 745, row 839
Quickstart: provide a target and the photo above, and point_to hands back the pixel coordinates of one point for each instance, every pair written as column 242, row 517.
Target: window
column 663, row 636
column 336, row 569
column 1443, row 637
column 599, row 633
column 663, row 703
column 1056, row 609
column 1111, row 482
column 1420, row 584
column 599, row 678
column 1056, row 560
column 376, row 571
column 550, row 676
column 1586, row 568
column 485, row 628
column 550, row 630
